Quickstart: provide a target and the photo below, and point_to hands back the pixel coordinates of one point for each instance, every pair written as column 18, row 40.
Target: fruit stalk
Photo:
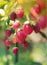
column 16, row 55
column 43, row 35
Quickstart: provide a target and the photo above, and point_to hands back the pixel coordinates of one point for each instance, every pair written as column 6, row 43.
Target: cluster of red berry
column 27, row 29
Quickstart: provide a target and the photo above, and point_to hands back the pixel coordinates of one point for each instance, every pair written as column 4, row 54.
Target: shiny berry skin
column 20, row 13
column 21, row 36
column 8, row 33
column 41, row 23
column 27, row 29
column 26, row 45
column 15, row 50
column 8, row 43
column 16, row 25
column 41, row 4
column 13, row 16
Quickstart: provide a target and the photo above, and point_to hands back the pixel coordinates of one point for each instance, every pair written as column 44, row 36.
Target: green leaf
column 8, row 20
column 2, row 3
column 3, row 24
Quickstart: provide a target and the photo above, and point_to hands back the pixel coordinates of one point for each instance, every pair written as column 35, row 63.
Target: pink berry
column 15, row 50
column 20, row 13
column 13, row 16
column 41, row 22
column 27, row 29
column 21, row 36
column 41, row 4
column 46, row 20
column 16, row 25
column 8, row 33
column 8, row 43
column 26, row 45
column 34, row 11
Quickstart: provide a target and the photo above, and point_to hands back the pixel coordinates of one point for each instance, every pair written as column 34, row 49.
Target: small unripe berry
column 14, row 39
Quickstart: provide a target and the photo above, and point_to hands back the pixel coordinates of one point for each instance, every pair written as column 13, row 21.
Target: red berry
column 8, row 33
column 36, row 29
column 27, row 29
column 46, row 20
column 13, row 16
column 15, row 50
column 20, row 13
column 41, row 22
column 26, row 45
column 41, row 4
column 16, row 25
column 8, row 43
column 34, row 11
column 21, row 36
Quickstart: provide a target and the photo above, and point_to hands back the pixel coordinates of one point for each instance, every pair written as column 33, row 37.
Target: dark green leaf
column 8, row 20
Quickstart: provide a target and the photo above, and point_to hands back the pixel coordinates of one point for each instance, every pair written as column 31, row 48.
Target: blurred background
column 36, row 54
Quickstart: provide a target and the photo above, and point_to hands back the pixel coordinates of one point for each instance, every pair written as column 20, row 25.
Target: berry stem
column 16, row 55
column 43, row 35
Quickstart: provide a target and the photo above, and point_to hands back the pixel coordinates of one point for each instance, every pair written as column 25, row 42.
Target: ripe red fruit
column 20, row 13
column 41, row 4
column 15, row 50
column 36, row 29
column 21, row 36
column 26, row 45
column 34, row 11
column 41, row 23
column 8, row 33
column 46, row 21
column 13, row 16
column 8, row 43
column 27, row 29
column 16, row 25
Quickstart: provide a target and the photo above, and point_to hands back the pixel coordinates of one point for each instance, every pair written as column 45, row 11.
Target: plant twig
column 43, row 35
column 16, row 55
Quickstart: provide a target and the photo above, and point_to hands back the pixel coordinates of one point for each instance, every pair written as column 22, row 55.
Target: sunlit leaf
column 3, row 3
